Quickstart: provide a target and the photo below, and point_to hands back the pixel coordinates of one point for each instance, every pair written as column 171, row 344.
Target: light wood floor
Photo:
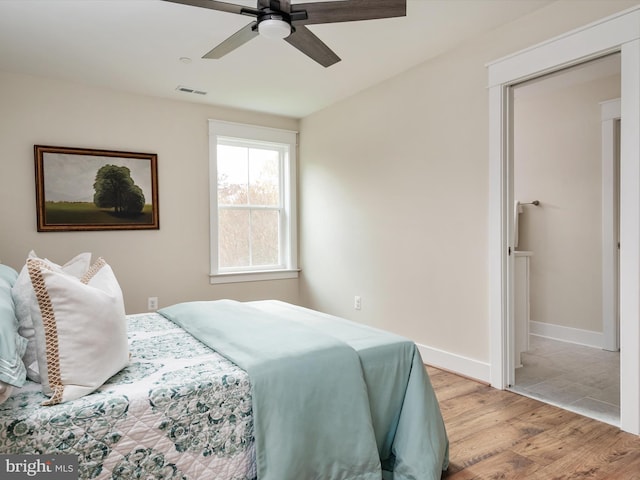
column 496, row 434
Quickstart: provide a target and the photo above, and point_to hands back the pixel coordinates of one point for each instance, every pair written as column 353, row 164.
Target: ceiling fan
column 281, row 19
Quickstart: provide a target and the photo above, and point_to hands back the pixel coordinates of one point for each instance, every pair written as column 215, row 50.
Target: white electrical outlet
column 357, row 302
column 152, row 304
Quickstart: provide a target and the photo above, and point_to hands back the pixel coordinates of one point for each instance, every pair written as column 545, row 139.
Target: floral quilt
column 179, row 411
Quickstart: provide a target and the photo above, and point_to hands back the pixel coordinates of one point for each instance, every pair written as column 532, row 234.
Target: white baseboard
column 567, row 334
column 481, row 371
column 455, row 363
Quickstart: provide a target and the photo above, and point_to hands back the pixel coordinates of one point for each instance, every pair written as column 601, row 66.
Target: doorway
column 617, row 33
column 559, row 189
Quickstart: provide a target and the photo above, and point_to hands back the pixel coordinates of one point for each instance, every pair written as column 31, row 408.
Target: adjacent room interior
column 559, row 165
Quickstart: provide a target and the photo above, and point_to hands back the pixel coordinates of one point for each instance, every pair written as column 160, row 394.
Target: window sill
column 238, row 277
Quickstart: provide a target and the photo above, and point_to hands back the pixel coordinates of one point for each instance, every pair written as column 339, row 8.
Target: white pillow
column 81, row 331
column 24, row 298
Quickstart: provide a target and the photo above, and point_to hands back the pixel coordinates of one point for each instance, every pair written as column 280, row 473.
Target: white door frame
column 609, row 116
column 617, row 33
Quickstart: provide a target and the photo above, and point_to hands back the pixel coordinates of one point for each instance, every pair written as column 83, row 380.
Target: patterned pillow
column 24, row 298
column 81, row 331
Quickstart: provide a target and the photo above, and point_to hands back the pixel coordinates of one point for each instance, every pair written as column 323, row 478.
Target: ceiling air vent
column 184, row 89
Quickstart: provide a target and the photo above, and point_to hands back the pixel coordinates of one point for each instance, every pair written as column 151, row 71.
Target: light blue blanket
column 332, row 399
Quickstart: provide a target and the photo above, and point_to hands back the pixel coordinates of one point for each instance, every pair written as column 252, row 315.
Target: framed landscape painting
column 87, row 189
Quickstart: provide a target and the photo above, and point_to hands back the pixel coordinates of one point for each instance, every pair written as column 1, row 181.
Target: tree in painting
column 114, row 188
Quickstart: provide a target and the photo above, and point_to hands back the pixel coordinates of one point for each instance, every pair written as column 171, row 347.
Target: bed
column 239, row 391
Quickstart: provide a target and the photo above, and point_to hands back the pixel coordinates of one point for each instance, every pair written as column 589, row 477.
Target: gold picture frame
column 91, row 189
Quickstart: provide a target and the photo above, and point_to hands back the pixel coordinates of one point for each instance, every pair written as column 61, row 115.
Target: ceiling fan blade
column 211, row 4
column 305, row 41
column 349, row 11
column 236, row 40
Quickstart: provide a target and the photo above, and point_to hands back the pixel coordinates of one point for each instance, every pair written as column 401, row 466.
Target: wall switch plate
column 357, row 302
column 152, row 304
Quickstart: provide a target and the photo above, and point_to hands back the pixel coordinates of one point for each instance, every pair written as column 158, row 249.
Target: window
column 253, row 216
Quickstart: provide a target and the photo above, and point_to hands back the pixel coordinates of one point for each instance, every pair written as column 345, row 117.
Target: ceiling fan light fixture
column 274, row 28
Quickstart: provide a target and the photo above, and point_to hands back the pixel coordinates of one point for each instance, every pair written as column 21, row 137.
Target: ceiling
column 153, row 46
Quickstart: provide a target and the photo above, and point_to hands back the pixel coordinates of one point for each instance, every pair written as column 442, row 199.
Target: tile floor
column 581, row 379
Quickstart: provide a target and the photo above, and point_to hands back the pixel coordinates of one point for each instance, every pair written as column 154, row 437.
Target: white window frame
column 288, row 267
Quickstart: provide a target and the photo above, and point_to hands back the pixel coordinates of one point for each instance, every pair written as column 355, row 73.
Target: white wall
column 394, row 195
column 558, row 161
column 171, row 263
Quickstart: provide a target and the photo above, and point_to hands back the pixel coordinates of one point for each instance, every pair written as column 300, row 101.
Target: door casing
column 617, row 33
